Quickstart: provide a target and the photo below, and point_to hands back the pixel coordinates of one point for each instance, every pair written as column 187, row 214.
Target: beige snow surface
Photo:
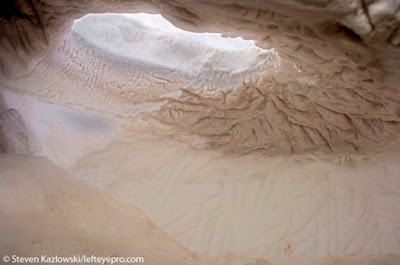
column 46, row 211
column 253, row 206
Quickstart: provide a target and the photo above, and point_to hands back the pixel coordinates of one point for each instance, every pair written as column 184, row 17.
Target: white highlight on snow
column 154, row 44
column 215, row 40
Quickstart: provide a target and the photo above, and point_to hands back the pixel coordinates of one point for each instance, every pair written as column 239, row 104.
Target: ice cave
column 200, row 132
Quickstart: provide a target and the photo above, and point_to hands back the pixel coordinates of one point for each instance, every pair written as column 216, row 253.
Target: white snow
column 216, row 40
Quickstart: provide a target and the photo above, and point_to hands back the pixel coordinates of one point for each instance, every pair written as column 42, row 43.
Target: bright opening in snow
column 216, row 40
column 151, row 42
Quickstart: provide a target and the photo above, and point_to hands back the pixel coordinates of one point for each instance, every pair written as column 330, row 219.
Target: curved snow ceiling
column 331, row 88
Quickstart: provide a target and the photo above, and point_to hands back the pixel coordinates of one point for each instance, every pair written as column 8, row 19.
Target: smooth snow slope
column 45, row 211
column 268, row 208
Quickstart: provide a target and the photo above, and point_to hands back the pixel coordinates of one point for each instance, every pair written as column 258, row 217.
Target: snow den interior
column 143, row 132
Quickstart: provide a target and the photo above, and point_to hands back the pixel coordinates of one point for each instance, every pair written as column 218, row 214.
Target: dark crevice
column 350, row 33
column 335, row 28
